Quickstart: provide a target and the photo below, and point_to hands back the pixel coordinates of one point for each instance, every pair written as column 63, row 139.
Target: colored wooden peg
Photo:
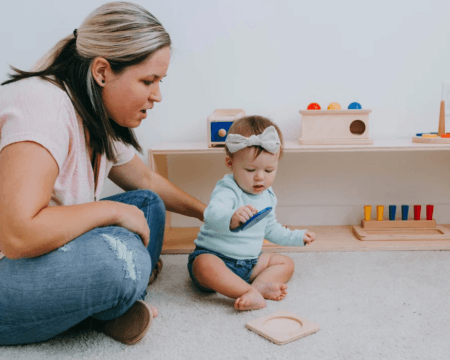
column 380, row 212
column 392, row 211
column 367, row 212
column 417, row 209
column 405, row 210
column 430, row 209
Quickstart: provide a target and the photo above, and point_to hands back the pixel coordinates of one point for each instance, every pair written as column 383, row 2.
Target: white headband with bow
column 268, row 140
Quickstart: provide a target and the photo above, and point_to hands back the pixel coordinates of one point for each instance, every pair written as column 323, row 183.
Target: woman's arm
column 136, row 175
column 28, row 226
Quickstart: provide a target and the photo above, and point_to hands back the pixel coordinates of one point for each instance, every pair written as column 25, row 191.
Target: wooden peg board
column 441, row 131
column 433, row 140
column 396, row 230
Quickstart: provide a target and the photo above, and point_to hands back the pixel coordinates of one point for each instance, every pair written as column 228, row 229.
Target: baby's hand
column 242, row 215
column 309, row 237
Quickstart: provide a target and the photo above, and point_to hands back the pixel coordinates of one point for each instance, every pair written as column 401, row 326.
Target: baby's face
column 253, row 175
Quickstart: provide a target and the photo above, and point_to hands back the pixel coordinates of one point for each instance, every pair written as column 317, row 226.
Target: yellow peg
column 367, row 212
column 380, row 211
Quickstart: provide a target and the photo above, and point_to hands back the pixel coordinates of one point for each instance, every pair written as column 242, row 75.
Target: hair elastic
column 75, row 33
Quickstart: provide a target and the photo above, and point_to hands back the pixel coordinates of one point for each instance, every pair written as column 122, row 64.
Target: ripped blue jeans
column 102, row 273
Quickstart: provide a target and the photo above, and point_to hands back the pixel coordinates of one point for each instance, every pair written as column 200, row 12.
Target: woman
column 64, row 127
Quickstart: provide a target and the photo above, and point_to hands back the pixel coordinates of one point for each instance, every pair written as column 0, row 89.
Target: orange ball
column 313, row 106
column 222, row 132
column 334, row 106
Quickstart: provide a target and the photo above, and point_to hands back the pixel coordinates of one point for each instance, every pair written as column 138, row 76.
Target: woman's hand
column 242, row 215
column 132, row 218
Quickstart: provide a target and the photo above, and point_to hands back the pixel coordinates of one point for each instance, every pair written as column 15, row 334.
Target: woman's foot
column 156, row 271
column 251, row 300
column 132, row 326
column 272, row 291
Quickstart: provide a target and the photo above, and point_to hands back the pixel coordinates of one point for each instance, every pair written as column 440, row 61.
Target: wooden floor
column 328, row 238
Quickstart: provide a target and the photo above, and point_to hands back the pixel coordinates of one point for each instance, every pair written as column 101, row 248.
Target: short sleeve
column 124, row 153
column 35, row 110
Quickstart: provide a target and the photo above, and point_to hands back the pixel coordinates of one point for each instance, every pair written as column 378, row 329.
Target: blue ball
column 355, row 106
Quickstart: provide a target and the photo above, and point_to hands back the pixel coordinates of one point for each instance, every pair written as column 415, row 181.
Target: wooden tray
column 396, row 234
column 282, row 327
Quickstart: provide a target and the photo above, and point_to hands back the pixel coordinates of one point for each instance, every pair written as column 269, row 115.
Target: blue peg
column 405, row 210
column 392, row 211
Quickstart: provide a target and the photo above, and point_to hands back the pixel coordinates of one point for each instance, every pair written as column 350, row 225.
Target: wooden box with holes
column 218, row 124
column 335, row 127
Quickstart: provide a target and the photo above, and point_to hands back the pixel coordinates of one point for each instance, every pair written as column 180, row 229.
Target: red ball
column 313, row 106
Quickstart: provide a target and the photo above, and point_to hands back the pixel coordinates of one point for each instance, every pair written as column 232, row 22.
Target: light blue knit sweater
column 215, row 233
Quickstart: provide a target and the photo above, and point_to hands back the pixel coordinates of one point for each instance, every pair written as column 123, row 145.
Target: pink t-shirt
column 37, row 110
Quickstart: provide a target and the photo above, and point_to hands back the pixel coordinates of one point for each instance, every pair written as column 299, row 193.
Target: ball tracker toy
column 253, row 220
column 383, row 229
column 335, row 126
column 435, row 138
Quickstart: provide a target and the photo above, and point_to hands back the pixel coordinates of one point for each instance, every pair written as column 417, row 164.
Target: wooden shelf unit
column 332, row 238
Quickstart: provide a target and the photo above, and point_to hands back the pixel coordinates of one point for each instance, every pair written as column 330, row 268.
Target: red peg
column 417, row 209
column 430, row 209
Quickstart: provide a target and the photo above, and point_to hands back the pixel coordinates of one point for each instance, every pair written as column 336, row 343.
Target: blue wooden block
column 405, row 210
column 216, row 126
column 392, row 211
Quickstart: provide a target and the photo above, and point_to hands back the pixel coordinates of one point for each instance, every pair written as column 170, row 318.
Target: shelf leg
column 158, row 164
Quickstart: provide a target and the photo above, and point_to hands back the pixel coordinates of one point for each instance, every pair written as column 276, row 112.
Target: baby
column 232, row 263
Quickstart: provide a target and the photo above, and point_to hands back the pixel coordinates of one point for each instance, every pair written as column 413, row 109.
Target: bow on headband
column 268, row 140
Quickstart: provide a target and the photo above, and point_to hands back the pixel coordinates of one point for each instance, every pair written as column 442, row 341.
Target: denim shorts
column 242, row 268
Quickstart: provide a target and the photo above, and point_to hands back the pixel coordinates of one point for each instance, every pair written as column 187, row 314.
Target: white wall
column 273, row 58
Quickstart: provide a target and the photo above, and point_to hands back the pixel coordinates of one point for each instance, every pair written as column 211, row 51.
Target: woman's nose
column 155, row 94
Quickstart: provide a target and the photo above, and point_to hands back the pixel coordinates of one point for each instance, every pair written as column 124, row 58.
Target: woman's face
column 127, row 96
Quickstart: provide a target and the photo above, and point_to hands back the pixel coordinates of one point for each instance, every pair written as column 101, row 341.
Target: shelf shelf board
column 293, row 146
column 328, row 238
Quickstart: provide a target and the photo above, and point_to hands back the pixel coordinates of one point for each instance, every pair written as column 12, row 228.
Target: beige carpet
column 369, row 305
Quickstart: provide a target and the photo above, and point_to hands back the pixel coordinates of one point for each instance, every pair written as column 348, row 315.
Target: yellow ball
column 334, row 106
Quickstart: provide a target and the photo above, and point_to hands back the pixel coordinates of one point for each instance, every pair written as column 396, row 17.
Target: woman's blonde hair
column 123, row 33
column 253, row 125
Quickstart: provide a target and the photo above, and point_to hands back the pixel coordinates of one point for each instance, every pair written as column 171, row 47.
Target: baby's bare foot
column 251, row 300
column 272, row 291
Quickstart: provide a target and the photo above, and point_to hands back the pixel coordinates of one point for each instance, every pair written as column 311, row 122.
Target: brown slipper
column 132, row 326
column 156, row 271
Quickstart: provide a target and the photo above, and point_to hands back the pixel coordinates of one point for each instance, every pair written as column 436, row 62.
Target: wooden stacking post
column 441, row 130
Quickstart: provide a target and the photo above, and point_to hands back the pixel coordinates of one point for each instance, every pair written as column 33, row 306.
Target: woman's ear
column 229, row 162
column 100, row 70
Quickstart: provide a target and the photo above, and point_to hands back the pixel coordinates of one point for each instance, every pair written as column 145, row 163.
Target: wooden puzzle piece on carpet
column 282, row 327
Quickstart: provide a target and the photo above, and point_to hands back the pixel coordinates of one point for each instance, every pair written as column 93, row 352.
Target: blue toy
column 354, row 106
column 405, row 210
column 254, row 219
column 392, row 211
